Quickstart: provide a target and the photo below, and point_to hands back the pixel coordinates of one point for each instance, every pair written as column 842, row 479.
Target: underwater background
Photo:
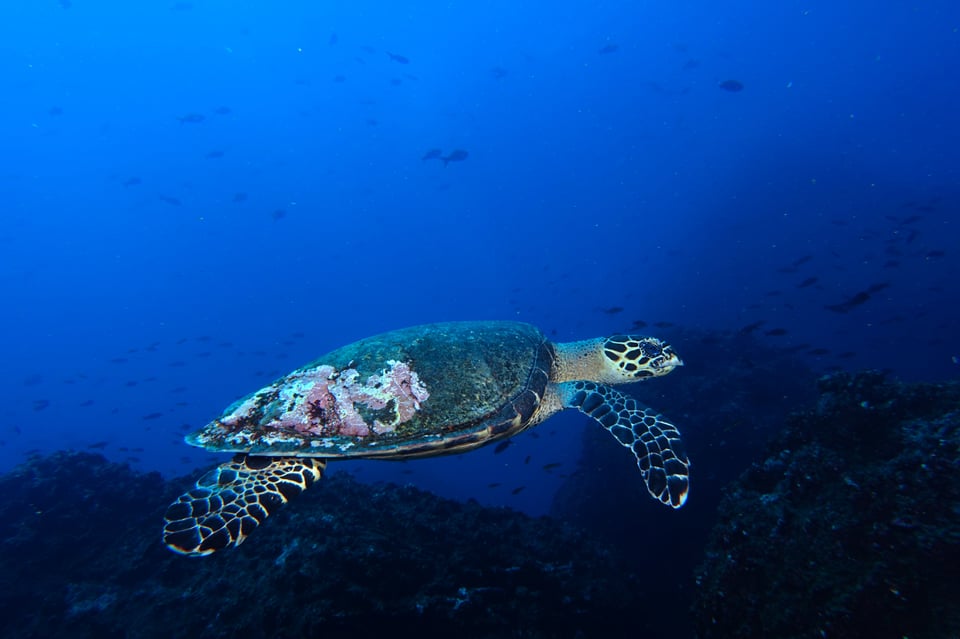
column 199, row 197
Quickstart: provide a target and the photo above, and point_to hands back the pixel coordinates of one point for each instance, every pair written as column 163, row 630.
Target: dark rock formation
column 851, row 525
column 81, row 557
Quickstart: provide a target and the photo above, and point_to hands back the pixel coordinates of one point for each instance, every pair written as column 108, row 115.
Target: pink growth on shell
column 323, row 403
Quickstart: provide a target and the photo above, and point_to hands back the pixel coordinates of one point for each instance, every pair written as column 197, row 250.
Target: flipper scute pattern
column 234, row 498
column 654, row 441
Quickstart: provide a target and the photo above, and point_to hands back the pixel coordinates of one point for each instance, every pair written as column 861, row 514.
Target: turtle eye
column 652, row 348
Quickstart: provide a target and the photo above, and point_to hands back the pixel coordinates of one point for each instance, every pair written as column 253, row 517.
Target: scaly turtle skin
column 427, row 390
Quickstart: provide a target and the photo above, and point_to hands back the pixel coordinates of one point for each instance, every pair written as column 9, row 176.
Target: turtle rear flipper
column 234, row 498
column 654, row 441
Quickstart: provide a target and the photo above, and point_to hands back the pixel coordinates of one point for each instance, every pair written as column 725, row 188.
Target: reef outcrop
column 82, row 557
column 849, row 527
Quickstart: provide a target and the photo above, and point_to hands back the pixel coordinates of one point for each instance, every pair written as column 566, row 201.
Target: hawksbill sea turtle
column 435, row 389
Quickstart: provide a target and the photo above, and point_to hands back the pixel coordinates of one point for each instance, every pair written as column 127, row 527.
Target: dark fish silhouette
column 858, row 299
column 97, row 445
column 733, row 86
column 663, row 324
column 800, row 261
column 398, row 58
column 638, row 324
column 55, row 110
column 749, row 328
column 613, row 310
column 333, row 39
column 40, row 404
column 339, row 78
column 279, row 214
column 172, row 201
column 240, row 197
column 810, row 281
column 608, row 48
column 933, row 254
column 498, row 72
column 213, row 155
column 432, row 154
column 551, row 466
column 776, row 332
column 222, row 110
column 192, row 118
column 457, row 155
column 131, row 181
column 517, row 490
column 151, row 416
column 502, row 446
column 819, row 351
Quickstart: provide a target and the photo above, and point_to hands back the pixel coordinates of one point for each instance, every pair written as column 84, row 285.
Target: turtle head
column 631, row 358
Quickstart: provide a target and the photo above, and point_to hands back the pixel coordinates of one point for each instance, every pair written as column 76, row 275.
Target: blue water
column 201, row 196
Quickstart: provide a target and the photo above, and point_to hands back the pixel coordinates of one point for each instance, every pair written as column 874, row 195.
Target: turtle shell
column 419, row 391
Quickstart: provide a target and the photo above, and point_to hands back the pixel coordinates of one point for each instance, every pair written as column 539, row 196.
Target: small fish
column 97, row 445
column 55, row 111
column 151, row 416
column 663, row 324
column 517, row 490
column 333, row 39
column 749, row 328
column 131, row 181
column 526, row 459
column 432, row 154
column 638, row 324
column 608, row 48
column 846, row 306
column 278, row 215
column 398, row 58
column 40, row 404
column 819, row 351
column 223, row 110
column 86, row 402
column 776, row 332
column 237, row 197
column 934, row 254
column 172, row 201
column 734, row 86
column 192, row 118
column 502, row 446
column 498, row 72
column 339, row 79
column 613, row 310
column 457, row 155
column 810, row 281
column 213, row 155
column 493, row 484
column 846, row 355
column 551, row 466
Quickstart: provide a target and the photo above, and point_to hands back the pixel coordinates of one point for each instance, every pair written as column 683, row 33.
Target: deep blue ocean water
column 200, row 196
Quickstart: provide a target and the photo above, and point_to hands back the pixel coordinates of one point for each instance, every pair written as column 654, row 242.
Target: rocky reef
column 82, row 557
column 849, row 527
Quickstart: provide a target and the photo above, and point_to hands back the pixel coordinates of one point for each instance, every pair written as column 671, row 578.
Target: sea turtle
column 428, row 390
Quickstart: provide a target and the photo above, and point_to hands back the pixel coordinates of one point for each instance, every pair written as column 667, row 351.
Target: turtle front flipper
column 234, row 498
column 654, row 441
